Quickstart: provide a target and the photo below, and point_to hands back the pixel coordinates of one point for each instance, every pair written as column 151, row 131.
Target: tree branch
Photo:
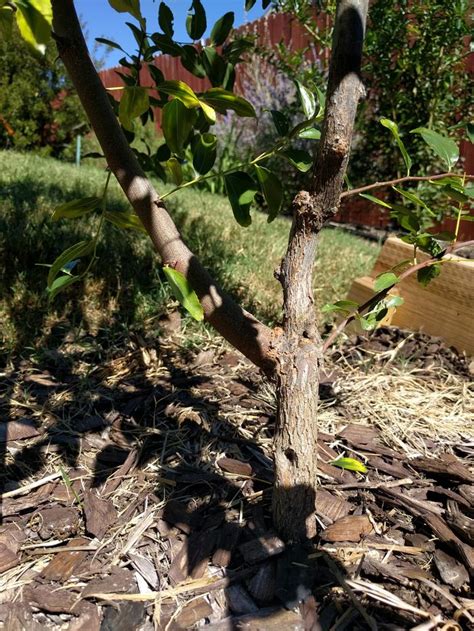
column 237, row 326
column 400, row 180
column 373, row 300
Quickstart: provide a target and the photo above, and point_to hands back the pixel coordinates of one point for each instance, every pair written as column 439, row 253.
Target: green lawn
column 126, row 288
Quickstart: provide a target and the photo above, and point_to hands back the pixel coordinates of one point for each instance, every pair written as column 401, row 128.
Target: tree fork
column 300, row 348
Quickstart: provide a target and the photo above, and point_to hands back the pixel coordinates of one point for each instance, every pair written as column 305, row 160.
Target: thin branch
column 236, row 325
column 373, row 300
column 400, row 180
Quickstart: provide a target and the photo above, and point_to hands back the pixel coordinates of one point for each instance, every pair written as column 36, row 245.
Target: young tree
column 292, row 354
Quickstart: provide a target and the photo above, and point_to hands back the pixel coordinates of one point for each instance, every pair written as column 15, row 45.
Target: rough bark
column 235, row 324
column 300, row 349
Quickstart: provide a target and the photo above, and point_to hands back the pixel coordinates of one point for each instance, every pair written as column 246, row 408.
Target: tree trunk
column 297, row 383
column 300, row 348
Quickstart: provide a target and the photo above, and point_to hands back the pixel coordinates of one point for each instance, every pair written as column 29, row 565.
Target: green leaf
column 196, row 22
column 459, row 194
column 345, row 306
column 222, row 28
column 209, row 112
column 176, row 123
column 76, row 251
column 350, row 464
column 393, row 127
column 125, row 220
column 127, row 6
column 184, row 293
column 241, row 190
column 272, row 191
column 180, row 91
column 204, row 153
column 413, row 198
column 191, row 60
column 34, row 19
column 109, row 43
column 76, row 208
column 214, row 65
column 300, row 159
column 6, row 22
column 375, row 200
column 470, row 132
column 175, row 170
column 61, row 283
column 385, row 281
column 134, row 103
column 223, row 100
column 166, row 19
column 249, row 4
column 394, row 301
column 427, row 274
column 166, row 45
column 308, row 100
column 310, row 134
column 444, row 147
column 281, row 122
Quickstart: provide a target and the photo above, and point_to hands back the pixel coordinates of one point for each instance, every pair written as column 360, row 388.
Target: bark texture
column 236, row 325
column 300, row 348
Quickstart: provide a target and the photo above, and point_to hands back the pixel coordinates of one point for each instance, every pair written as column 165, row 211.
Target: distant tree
column 34, row 111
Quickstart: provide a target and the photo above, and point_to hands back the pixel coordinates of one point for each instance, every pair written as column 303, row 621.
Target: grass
column 126, row 289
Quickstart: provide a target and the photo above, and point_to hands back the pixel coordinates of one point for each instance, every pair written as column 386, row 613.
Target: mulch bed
column 137, row 489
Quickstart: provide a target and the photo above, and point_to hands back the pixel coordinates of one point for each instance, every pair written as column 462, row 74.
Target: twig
column 373, row 300
column 400, row 180
column 31, row 486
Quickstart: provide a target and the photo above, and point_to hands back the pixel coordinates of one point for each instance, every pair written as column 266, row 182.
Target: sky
column 101, row 20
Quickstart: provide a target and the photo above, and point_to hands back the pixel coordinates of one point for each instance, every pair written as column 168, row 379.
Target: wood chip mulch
column 136, row 493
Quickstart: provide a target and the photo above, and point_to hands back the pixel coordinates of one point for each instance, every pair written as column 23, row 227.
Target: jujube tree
column 290, row 354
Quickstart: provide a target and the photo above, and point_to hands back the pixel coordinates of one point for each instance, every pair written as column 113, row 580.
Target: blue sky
column 102, row 21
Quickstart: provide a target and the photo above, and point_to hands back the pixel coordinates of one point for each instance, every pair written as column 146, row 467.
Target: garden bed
column 137, row 490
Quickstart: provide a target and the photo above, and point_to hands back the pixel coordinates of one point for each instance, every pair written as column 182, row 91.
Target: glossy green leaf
column 166, row 45
column 176, row 123
column 249, row 4
column 209, row 112
column 76, row 251
column 299, row 158
column 393, row 127
column 470, row 132
column 375, row 200
column 6, row 22
column 204, row 153
column 310, row 134
column 308, row 100
column 61, row 283
column 272, row 190
column 214, row 65
column 181, row 91
column 196, row 22
column 109, row 43
column 385, row 281
column 281, row 122
column 76, row 208
column 127, row 6
column 241, row 190
column 223, row 100
column 456, row 193
column 191, row 60
column 444, row 147
column 166, row 19
column 125, row 220
column 222, row 28
column 345, row 306
column 174, row 169
column 427, row 274
column 134, row 103
column 184, row 293
column 34, row 19
column 350, row 464
column 413, row 198
column 394, row 301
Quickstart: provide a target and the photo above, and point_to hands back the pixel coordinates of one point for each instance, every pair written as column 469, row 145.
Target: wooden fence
column 270, row 30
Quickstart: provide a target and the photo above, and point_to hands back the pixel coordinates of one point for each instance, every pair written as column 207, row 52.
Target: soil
column 137, row 485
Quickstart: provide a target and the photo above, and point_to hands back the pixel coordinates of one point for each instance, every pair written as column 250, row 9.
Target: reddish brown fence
column 270, row 30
